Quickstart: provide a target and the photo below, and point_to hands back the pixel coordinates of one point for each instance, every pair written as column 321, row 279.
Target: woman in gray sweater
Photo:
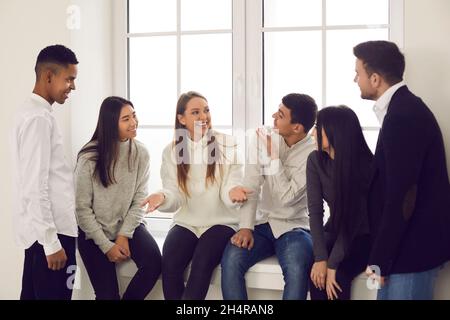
column 339, row 174
column 111, row 181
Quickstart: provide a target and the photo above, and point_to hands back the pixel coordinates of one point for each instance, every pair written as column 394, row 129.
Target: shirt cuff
column 105, row 247
column 52, row 248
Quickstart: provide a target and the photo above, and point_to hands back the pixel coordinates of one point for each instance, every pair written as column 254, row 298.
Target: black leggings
column 182, row 246
column 102, row 273
column 353, row 264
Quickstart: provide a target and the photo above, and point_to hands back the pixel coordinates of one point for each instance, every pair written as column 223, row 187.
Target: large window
column 244, row 56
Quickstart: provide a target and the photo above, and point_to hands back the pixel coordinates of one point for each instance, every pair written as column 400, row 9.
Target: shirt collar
column 380, row 107
column 299, row 143
column 41, row 101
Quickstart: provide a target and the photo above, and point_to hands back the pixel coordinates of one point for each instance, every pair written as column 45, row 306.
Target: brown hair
column 180, row 144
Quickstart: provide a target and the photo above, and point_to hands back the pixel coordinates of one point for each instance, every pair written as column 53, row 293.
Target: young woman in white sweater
column 198, row 170
column 111, row 181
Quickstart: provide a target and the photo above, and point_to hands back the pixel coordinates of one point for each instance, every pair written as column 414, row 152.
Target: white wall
column 28, row 26
column 25, row 28
column 92, row 44
column 427, row 51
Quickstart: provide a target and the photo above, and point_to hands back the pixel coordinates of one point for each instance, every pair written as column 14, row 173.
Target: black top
column 409, row 199
column 320, row 188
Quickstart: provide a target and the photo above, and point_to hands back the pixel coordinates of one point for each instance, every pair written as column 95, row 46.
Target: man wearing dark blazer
column 409, row 196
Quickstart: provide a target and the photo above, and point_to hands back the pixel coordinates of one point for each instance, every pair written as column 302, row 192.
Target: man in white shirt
column 44, row 215
column 277, row 223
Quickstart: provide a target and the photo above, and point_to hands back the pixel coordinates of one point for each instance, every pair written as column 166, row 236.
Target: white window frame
column 247, row 55
column 255, row 46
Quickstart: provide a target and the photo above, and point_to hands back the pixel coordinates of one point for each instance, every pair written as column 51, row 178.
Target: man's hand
column 243, row 239
column 319, row 274
column 239, row 194
column 153, row 201
column 122, row 241
column 266, row 140
column 57, row 260
column 116, row 254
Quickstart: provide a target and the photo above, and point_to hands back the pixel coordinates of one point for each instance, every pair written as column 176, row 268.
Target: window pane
column 292, row 63
column 205, row 14
column 341, row 89
column 155, row 140
column 206, row 67
column 357, row 12
column 153, row 79
column 292, row 13
column 152, row 15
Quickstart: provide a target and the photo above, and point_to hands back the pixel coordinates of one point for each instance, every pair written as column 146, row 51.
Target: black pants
column 353, row 264
column 182, row 246
column 102, row 273
column 41, row 283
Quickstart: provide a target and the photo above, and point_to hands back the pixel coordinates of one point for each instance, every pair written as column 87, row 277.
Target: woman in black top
column 339, row 174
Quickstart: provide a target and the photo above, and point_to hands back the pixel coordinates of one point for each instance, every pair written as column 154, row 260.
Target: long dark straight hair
column 351, row 165
column 104, row 144
column 180, row 143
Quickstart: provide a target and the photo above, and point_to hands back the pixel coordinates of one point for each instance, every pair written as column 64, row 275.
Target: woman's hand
column 153, row 201
column 319, row 274
column 116, row 254
column 122, row 241
column 332, row 285
column 239, row 194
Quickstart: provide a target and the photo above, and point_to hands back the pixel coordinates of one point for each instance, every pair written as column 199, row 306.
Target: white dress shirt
column 44, row 197
column 381, row 105
column 282, row 201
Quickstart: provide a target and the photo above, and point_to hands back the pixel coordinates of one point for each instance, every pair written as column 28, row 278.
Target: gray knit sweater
column 103, row 213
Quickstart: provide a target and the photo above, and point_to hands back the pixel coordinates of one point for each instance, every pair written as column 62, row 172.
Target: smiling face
column 128, row 123
column 196, row 118
column 282, row 122
column 60, row 83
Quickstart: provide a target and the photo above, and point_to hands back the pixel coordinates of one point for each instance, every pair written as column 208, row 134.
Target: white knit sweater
column 208, row 204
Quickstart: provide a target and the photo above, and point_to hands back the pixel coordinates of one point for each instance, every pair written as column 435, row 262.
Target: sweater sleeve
column 337, row 252
column 135, row 214
column 315, row 208
column 174, row 199
column 84, row 199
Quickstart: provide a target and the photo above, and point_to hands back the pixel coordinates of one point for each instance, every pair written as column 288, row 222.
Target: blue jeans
column 295, row 255
column 409, row 286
